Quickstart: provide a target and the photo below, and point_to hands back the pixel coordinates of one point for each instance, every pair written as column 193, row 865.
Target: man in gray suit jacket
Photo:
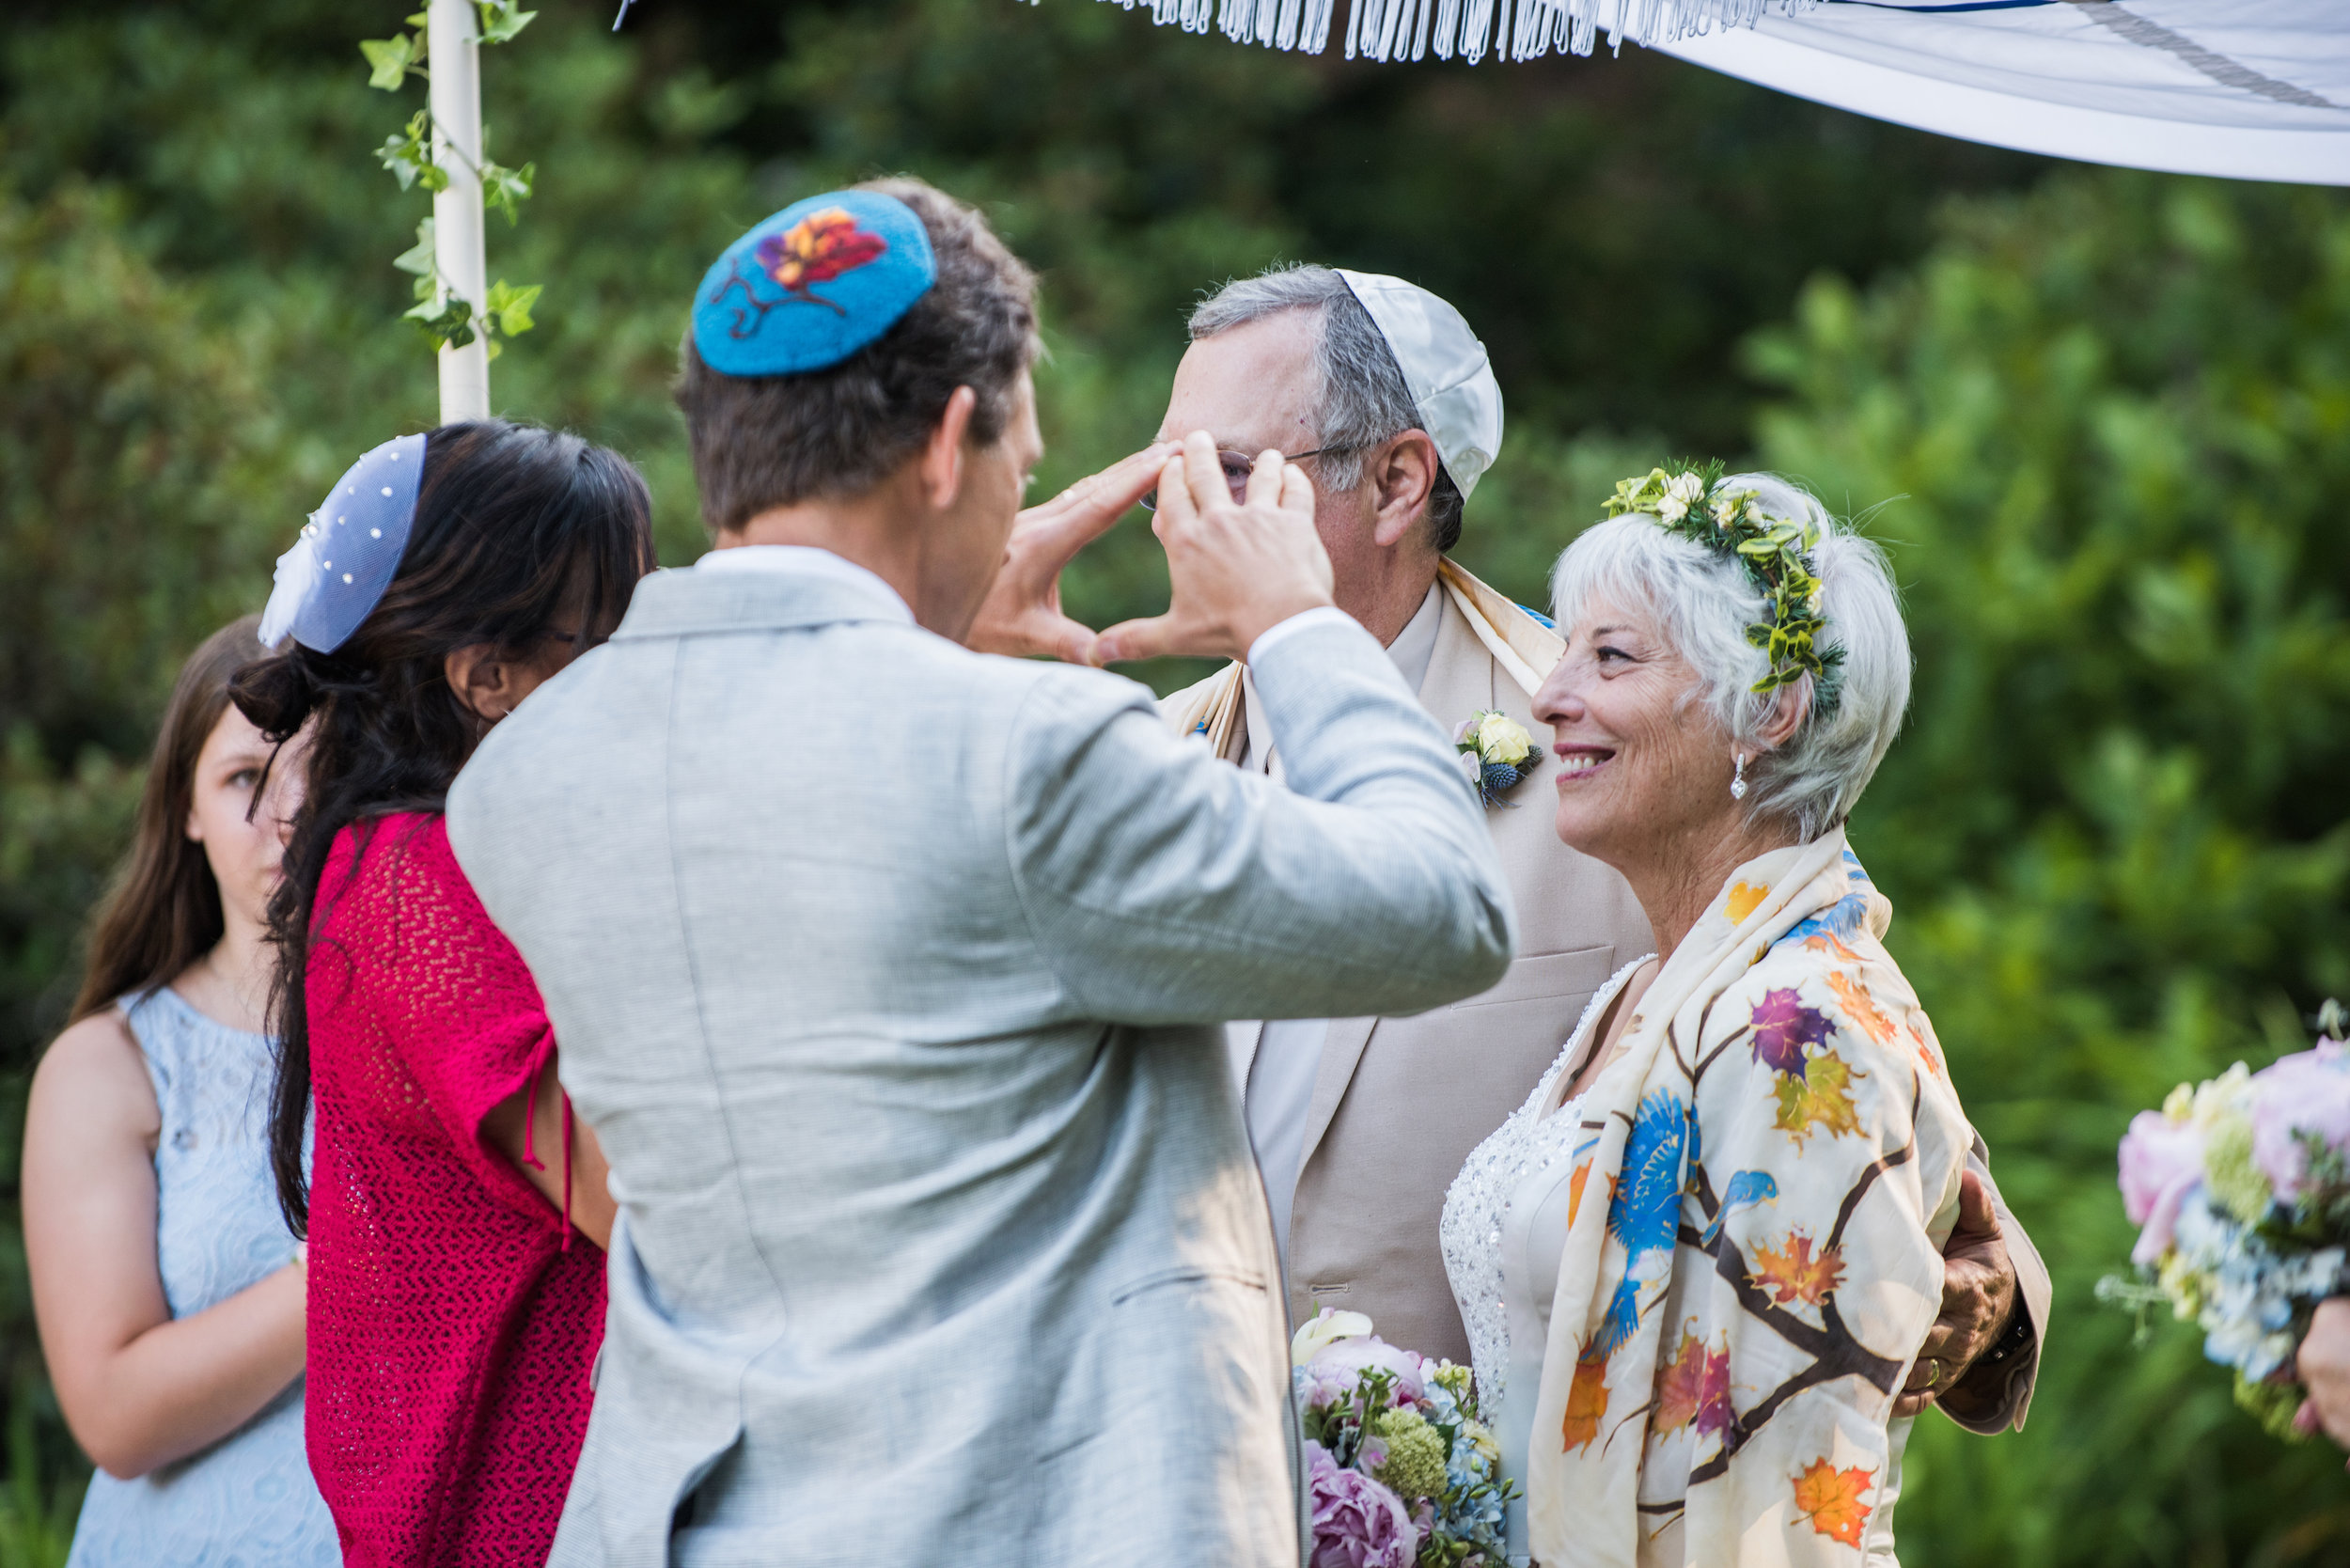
column 890, row 973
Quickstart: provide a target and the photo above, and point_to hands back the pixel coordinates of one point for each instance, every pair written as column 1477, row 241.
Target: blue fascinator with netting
column 347, row 552
column 812, row 285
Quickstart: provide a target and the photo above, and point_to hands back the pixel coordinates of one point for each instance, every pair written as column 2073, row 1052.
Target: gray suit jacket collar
column 686, row 603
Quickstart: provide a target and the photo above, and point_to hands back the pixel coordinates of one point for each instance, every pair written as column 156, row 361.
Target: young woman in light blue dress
column 168, row 1290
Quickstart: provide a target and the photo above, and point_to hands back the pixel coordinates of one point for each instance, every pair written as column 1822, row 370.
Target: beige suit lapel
column 1209, row 710
column 1460, row 680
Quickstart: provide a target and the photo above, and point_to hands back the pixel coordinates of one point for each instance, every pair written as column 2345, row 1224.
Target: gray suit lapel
column 1240, row 1040
column 1262, row 756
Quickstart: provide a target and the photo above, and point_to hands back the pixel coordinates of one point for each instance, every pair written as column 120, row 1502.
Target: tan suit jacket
column 1399, row 1104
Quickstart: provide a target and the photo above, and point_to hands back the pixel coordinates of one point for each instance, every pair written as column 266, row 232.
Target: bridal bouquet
column 1400, row 1469
column 2242, row 1185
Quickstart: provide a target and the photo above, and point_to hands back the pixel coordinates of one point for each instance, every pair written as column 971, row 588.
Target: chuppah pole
column 456, row 99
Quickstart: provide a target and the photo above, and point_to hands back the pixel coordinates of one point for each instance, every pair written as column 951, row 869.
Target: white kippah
column 1445, row 368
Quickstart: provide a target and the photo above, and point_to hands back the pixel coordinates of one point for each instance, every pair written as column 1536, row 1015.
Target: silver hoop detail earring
column 1738, row 783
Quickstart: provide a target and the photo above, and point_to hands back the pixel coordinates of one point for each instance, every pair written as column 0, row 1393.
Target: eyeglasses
column 1237, row 466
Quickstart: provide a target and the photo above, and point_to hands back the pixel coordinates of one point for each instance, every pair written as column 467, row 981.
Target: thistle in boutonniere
column 1495, row 754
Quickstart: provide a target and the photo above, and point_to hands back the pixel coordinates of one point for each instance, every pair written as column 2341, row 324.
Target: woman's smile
column 1579, row 762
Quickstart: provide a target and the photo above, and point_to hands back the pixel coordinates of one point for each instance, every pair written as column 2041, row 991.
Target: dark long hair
column 520, row 534
column 163, row 911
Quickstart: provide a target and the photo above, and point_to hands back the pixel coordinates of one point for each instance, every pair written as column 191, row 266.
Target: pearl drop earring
column 1738, row 783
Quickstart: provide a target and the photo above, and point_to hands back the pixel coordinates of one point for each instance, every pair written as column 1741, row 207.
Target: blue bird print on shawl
column 1747, row 1188
column 1645, row 1213
column 1839, row 920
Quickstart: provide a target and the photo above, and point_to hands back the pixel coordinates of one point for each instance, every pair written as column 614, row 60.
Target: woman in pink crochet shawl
column 454, row 1311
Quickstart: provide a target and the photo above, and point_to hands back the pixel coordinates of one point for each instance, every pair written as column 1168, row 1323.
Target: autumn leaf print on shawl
column 1778, row 1156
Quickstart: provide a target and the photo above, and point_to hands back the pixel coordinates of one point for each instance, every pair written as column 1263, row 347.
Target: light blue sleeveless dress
column 248, row 1500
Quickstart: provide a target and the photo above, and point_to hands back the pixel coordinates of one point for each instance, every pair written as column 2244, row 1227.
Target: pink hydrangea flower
column 1358, row 1522
column 2161, row 1162
column 2309, row 1092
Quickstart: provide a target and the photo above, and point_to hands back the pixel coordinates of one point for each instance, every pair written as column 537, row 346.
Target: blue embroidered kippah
column 347, row 553
column 812, row 285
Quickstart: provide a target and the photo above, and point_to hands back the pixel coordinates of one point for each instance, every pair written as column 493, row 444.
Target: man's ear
column 942, row 455
column 482, row 680
column 1404, row 474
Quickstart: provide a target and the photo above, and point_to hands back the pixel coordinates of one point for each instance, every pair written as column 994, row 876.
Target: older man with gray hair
column 1382, row 395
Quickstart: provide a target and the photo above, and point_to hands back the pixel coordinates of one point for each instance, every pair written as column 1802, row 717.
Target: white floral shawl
column 1778, row 1152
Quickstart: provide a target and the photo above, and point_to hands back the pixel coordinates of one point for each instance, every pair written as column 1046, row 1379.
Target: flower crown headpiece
column 1698, row 505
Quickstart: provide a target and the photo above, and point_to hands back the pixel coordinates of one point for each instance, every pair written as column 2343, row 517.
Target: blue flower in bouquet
column 2246, row 1296
column 1445, row 1387
column 1475, row 1500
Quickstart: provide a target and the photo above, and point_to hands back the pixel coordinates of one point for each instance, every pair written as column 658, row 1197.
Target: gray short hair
column 1364, row 397
column 1707, row 602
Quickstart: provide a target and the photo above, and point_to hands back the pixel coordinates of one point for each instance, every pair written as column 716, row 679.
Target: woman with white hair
column 1696, row 1264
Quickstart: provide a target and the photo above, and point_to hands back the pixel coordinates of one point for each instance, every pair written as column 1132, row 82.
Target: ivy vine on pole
column 446, row 317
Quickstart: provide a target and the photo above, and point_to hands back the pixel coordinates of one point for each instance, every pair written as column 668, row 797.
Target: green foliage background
column 2109, row 415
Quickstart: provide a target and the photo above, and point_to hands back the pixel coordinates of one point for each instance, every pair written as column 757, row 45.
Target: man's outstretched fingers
column 1022, row 614
column 1095, row 502
column 1129, row 640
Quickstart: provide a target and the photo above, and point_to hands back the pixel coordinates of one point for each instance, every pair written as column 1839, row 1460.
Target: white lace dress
column 1504, row 1226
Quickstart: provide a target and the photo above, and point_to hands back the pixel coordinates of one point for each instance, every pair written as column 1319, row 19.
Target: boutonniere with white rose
column 1496, row 753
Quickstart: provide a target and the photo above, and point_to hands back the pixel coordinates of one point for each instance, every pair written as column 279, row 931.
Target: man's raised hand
column 1235, row 568
column 1022, row 613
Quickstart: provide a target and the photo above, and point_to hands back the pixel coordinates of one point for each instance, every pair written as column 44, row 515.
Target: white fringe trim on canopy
column 1510, row 29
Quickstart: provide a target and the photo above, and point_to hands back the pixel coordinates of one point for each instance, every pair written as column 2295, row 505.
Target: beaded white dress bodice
column 1525, row 1145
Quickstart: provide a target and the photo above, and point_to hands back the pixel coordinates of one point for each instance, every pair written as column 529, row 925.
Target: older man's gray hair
column 1706, row 601
column 1364, row 399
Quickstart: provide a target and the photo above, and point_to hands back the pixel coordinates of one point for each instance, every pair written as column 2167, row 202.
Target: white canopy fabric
column 2253, row 89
